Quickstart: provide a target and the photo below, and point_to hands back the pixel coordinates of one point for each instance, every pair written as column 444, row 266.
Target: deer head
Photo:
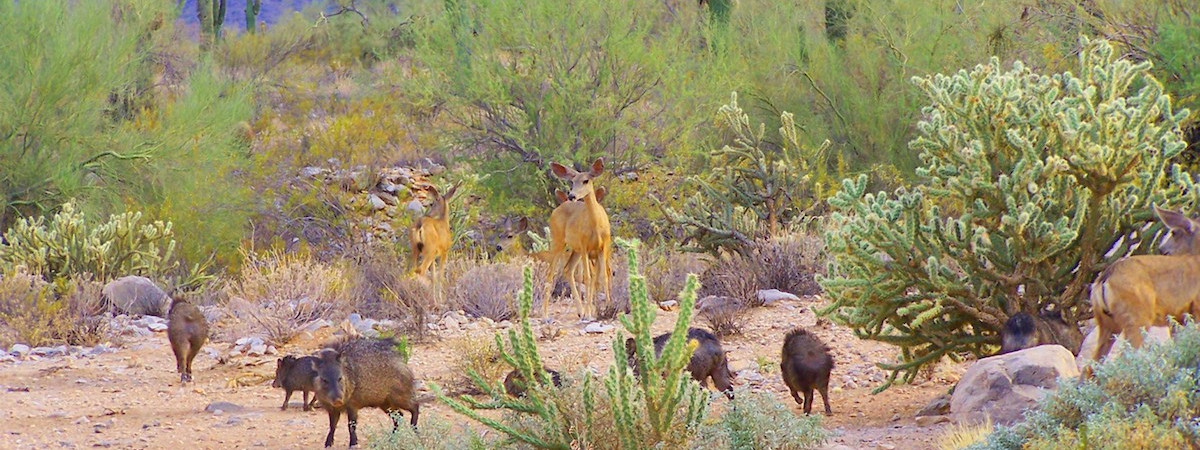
column 581, row 185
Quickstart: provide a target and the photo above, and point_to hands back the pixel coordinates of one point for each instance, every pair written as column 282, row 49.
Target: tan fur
column 1145, row 290
column 580, row 227
column 430, row 237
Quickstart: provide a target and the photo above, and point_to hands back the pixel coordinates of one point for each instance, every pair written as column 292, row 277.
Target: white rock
column 769, row 296
column 258, row 349
column 19, row 349
column 450, row 323
column 414, row 206
column 1003, row 387
column 597, row 328
column 157, row 327
column 376, row 202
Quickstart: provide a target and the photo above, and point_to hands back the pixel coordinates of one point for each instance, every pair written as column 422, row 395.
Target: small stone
column 668, row 305
column 271, row 350
column 450, row 323
column 223, row 407
column 19, row 349
column 597, row 328
column 311, row 172
column 769, row 296
column 157, row 327
column 896, row 417
column 242, row 341
column 376, row 202
column 258, row 349
column 504, row 324
column 885, row 446
column 414, row 206
column 82, row 420
column 924, row 421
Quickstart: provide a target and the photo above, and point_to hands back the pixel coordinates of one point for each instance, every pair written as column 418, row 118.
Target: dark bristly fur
column 186, row 330
column 514, row 382
column 296, row 374
column 806, row 365
column 707, row 361
column 361, row 373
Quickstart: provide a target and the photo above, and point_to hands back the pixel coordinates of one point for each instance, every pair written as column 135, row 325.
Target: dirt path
column 132, row 398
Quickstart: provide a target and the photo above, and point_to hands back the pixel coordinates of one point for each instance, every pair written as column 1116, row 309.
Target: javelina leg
column 307, row 405
column 824, row 388
column 796, row 395
column 414, row 409
column 808, row 399
column 191, row 356
column 334, row 415
column 287, row 395
column 180, row 362
column 352, row 425
column 312, row 404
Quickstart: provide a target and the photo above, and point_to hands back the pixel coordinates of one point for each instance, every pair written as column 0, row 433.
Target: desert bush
column 68, row 244
column 789, row 262
column 646, row 412
column 41, row 313
column 436, row 434
column 1143, row 398
column 732, row 276
column 379, row 288
column 278, row 293
column 761, row 421
column 961, row 436
column 667, row 269
column 1026, row 178
column 773, row 182
column 725, row 316
column 487, row 290
column 479, row 355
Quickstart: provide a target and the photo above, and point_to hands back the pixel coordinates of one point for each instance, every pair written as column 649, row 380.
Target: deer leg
column 556, row 258
column 570, row 270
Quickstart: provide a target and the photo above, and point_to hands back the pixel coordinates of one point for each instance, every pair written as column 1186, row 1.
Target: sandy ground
column 132, row 398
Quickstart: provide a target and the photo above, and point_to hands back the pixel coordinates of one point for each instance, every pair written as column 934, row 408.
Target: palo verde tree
column 1027, row 182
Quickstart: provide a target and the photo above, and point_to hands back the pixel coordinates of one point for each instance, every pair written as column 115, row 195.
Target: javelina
column 514, row 382
column 360, row 373
column 806, row 365
column 1023, row 331
column 707, row 361
column 296, row 374
column 186, row 330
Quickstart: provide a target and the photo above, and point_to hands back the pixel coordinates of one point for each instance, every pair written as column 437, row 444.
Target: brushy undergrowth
column 761, row 422
column 38, row 313
column 279, row 293
column 1139, row 399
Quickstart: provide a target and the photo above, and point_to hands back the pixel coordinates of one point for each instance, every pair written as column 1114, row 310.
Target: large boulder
column 135, row 295
column 1003, row 387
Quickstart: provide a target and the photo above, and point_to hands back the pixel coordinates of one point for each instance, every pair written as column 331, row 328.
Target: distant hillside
column 235, row 11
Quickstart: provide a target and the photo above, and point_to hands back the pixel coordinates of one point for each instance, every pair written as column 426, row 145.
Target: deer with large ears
column 579, row 228
column 1144, row 290
column 429, row 238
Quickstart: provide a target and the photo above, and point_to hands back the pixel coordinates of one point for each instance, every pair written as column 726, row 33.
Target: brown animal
column 708, row 361
column 296, row 374
column 515, row 385
column 186, row 330
column 1024, row 330
column 1144, row 290
column 508, row 239
column 579, row 229
column 806, row 366
column 429, row 238
column 364, row 373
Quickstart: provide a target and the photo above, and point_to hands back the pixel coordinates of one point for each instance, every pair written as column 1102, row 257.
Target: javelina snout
column 515, row 385
column 806, row 365
column 363, row 373
column 708, row 361
column 296, row 374
column 186, row 330
column 1023, row 330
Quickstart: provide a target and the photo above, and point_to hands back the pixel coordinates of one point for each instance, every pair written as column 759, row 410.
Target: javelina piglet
column 296, row 374
column 186, row 330
column 707, row 361
column 1023, row 330
column 806, row 365
column 358, row 373
column 515, row 385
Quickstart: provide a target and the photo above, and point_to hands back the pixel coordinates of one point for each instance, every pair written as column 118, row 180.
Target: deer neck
column 438, row 211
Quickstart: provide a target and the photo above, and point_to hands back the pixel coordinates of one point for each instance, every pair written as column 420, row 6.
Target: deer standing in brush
column 580, row 233
column 430, row 237
column 1144, row 290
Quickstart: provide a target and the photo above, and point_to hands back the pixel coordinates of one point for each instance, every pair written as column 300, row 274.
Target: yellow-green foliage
column 281, row 292
column 36, row 312
column 960, row 436
column 68, row 245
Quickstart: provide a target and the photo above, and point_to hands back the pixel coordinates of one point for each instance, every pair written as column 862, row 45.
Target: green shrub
column 1026, row 178
column 1141, row 399
column 435, row 434
column 70, row 245
column 40, row 313
column 761, row 422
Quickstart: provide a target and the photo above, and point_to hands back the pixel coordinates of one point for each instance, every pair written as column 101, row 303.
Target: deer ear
column 1175, row 220
column 451, row 192
column 562, row 171
column 600, row 193
column 522, row 225
column 433, row 189
column 560, row 196
column 597, row 167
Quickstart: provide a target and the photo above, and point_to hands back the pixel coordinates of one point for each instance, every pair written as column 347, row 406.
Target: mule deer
column 579, row 228
column 1144, row 290
column 430, row 238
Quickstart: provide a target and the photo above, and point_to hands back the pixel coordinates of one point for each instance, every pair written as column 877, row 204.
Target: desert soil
column 132, row 398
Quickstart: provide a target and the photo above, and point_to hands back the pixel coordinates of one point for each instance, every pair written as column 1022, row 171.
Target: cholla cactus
column 653, row 412
column 1029, row 181
column 69, row 245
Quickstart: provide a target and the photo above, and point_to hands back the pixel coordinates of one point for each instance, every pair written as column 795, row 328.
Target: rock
column 317, row 325
column 135, row 295
column 939, row 406
column 924, row 421
column 504, row 324
column 387, row 198
column 627, row 177
column 376, row 202
column 751, row 376
column 7, row 358
column 414, row 206
column 1005, row 386
column 82, row 420
column 885, row 446
column 271, row 350
column 450, row 323
column 257, row 349
column 597, row 328
column 769, row 296
column 311, row 172
column 19, row 350
column 49, row 351
column 668, row 305
column 1088, row 348
column 217, row 408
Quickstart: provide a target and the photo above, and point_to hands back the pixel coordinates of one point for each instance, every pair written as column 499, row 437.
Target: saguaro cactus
column 253, row 7
column 212, row 16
